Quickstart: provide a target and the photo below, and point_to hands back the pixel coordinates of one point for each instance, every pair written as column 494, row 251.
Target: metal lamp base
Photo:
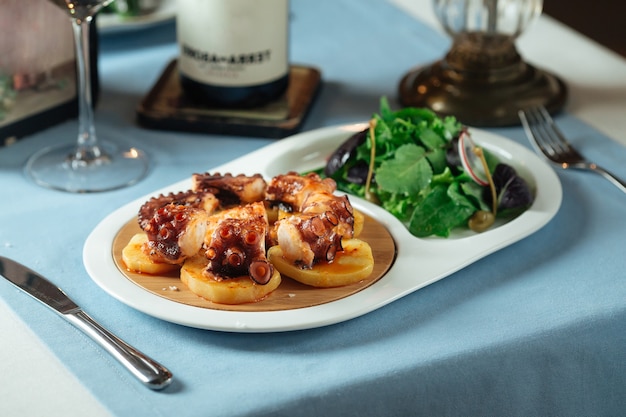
column 482, row 81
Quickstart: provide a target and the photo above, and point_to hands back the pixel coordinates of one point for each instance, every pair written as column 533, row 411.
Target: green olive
column 481, row 221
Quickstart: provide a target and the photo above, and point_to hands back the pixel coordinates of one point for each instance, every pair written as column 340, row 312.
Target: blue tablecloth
column 538, row 328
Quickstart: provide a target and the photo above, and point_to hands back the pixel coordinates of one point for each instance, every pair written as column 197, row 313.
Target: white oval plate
column 419, row 262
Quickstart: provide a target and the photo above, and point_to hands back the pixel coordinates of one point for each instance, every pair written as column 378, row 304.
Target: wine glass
column 483, row 80
column 90, row 165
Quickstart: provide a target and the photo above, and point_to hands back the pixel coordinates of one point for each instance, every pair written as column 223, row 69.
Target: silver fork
column 547, row 139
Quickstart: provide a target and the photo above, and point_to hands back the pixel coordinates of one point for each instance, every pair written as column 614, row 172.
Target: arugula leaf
column 446, row 177
column 475, row 193
column 400, row 205
column 408, row 172
column 438, row 161
column 432, row 140
column 444, row 208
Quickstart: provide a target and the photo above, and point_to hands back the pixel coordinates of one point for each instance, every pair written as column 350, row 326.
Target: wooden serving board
column 289, row 295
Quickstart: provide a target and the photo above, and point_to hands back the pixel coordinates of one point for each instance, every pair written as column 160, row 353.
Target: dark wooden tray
column 166, row 107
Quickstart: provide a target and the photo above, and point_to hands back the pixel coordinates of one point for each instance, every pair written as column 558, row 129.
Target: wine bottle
column 233, row 53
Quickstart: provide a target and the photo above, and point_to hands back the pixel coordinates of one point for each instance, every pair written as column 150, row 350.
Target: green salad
column 427, row 172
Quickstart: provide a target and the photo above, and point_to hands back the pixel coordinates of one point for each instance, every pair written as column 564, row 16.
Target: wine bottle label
column 233, row 43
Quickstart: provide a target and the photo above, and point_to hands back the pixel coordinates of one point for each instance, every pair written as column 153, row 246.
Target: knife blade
column 147, row 370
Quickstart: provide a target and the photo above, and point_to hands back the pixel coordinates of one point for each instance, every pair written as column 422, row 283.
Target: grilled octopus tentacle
column 175, row 232
column 319, row 222
column 231, row 190
column 292, row 188
column 236, row 243
column 200, row 200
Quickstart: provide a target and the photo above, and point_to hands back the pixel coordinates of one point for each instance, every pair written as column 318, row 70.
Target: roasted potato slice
column 359, row 220
column 237, row 290
column 350, row 266
column 137, row 260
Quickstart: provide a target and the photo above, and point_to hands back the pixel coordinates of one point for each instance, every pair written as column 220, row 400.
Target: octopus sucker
column 175, row 232
column 199, row 200
column 261, row 271
column 235, row 242
column 230, row 189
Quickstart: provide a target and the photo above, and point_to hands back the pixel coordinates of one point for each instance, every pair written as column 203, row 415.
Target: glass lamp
column 483, row 80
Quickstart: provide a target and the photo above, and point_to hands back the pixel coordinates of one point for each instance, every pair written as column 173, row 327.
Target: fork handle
column 619, row 183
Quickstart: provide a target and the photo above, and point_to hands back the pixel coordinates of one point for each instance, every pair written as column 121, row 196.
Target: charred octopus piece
column 200, row 200
column 292, row 188
column 229, row 189
column 175, row 232
column 236, row 243
column 320, row 220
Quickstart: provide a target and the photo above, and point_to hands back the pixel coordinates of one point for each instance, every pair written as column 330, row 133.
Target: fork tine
column 535, row 131
column 546, row 135
column 558, row 140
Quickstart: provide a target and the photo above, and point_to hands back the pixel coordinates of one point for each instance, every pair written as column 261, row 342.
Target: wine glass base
column 110, row 168
column 485, row 99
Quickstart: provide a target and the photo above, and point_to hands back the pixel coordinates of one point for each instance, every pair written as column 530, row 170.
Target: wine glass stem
column 88, row 151
column 492, row 13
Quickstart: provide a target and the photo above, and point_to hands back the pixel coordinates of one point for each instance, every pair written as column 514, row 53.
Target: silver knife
column 148, row 371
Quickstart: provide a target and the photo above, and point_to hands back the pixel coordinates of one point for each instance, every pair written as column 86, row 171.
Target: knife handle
column 148, row 371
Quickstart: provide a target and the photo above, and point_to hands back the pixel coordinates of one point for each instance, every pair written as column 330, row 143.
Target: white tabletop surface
column 595, row 76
